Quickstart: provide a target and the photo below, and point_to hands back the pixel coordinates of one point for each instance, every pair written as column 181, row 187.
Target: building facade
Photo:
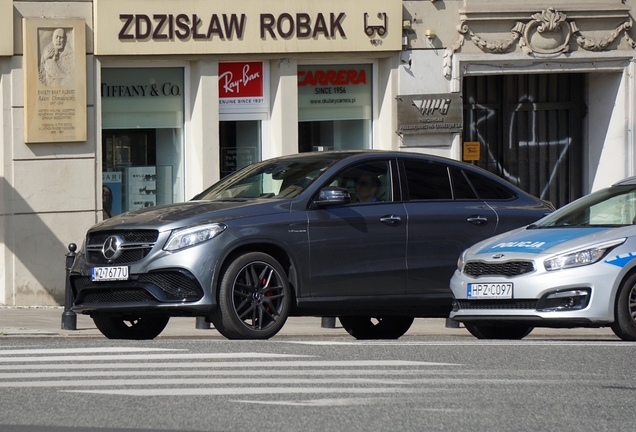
column 112, row 105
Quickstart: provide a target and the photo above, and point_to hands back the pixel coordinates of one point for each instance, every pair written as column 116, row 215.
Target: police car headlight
column 581, row 257
column 187, row 237
column 461, row 261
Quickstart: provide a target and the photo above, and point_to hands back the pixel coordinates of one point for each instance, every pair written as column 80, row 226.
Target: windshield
column 280, row 179
column 615, row 206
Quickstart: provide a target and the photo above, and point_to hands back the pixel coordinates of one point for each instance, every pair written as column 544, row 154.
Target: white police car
column 574, row 268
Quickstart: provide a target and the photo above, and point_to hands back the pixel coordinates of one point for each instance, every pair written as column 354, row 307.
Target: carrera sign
column 151, row 27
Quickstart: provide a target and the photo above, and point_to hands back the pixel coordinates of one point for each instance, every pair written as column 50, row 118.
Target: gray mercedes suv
column 371, row 237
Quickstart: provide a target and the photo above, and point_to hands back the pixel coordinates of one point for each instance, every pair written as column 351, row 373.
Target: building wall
column 482, row 37
column 50, row 193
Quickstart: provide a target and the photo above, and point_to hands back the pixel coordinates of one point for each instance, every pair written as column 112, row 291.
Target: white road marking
column 247, row 391
column 207, row 381
column 316, row 402
column 145, row 357
column 32, row 351
column 225, row 372
column 471, row 343
column 239, row 364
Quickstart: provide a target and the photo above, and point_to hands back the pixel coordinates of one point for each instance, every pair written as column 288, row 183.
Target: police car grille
column 508, row 269
column 498, row 304
column 176, row 285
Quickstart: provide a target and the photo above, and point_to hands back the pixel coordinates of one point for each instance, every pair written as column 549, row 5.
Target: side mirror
column 331, row 196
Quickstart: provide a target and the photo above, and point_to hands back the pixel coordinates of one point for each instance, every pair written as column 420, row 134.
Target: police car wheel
column 516, row 331
column 624, row 325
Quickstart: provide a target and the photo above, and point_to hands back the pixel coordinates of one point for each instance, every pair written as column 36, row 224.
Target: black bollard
column 202, row 324
column 328, row 322
column 451, row 323
column 69, row 318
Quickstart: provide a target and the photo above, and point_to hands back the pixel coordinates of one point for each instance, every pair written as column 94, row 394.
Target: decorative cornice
column 546, row 33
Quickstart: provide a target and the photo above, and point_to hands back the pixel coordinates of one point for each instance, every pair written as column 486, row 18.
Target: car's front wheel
column 361, row 327
column 134, row 328
column 624, row 325
column 254, row 298
column 507, row 331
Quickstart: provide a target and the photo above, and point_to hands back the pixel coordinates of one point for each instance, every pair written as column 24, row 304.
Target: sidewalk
column 47, row 322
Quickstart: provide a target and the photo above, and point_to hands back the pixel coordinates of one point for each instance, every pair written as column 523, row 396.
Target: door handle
column 391, row 220
column 477, row 220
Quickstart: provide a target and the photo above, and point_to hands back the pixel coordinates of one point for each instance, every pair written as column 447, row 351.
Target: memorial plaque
column 54, row 80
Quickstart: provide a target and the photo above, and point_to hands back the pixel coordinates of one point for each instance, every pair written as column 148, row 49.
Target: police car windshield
column 613, row 207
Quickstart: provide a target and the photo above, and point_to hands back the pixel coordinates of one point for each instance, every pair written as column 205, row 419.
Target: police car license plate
column 490, row 291
column 109, row 273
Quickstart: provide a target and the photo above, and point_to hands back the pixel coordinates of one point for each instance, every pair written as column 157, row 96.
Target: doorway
column 530, row 128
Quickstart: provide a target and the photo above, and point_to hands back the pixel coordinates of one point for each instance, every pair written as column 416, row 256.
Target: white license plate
column 109, row 273
column 490, row 291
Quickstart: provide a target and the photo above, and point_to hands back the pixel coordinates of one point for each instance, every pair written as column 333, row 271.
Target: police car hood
column 548, row 240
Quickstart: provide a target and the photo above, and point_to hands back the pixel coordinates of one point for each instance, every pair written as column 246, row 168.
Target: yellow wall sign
column 471, row 151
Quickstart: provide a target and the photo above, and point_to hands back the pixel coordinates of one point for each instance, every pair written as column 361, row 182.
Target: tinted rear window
column 427, row 180
column 489, row 189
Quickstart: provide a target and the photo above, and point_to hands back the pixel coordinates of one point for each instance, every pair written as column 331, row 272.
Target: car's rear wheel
column 126, row 327
column 624, row 325
column 254, row 298
column 362, row 327
column 507, row 331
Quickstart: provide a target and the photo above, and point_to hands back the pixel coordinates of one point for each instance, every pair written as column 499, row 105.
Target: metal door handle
column 390, row 220
column 477, row 220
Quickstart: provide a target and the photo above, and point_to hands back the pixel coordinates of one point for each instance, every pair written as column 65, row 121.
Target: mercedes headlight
column 186, row 237
column 581, row 257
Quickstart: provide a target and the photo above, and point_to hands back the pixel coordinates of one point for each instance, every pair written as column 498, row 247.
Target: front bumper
column 578, row 297
column 161, row 283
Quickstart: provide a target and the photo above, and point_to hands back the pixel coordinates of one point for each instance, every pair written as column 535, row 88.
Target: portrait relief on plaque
column 54, row 80
column 56, row 56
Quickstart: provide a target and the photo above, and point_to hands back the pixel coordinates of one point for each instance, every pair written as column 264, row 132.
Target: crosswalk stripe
column 201, row 381
column 248, row 391
column 98, row 357
column 464, row 343
column 238, row 364
column 225, row 372
column 33, row 351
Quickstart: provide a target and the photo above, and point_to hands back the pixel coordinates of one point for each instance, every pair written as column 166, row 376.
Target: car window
column 275, row 180
column 613, row 207
column 488, row 189
column 461, row 187
column 366, row 182
column 427, row 180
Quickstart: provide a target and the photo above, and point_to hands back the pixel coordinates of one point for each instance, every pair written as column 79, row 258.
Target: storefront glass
column 334, row 107
column 243, row 107
column 240, row 144
column 142, row 138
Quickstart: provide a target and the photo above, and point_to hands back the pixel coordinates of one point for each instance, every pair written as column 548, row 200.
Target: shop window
column 334, row 107
column 142, row 149
column 240, row 144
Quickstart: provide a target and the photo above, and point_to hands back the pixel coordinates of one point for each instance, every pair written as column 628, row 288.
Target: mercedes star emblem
column 112, row 247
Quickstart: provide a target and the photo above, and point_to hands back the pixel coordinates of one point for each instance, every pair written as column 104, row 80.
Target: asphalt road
column 316, row 384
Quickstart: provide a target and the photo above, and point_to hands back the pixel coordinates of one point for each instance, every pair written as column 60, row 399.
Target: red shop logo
column 238, row 80
column 332, row 77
